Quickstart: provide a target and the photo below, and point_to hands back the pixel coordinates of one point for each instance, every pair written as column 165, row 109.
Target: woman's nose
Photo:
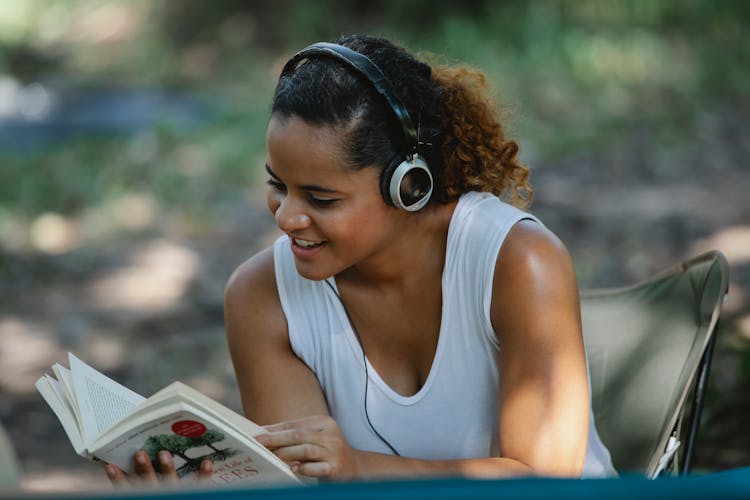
column 290, row 216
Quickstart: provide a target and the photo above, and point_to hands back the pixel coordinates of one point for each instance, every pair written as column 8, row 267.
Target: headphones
column 406, row 182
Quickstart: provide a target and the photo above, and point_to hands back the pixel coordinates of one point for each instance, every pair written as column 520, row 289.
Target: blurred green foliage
column 573, row 75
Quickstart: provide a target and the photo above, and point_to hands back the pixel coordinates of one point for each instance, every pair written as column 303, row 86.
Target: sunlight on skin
column 27, row 351
column 156, row 281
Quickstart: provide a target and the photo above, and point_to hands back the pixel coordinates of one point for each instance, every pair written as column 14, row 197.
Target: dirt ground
column 145, row 306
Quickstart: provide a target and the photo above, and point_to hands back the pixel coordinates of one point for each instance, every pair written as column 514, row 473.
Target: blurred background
column 131, row 180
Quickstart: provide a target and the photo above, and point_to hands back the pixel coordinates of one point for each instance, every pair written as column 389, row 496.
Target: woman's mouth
column 305, row 248
column 306, row 243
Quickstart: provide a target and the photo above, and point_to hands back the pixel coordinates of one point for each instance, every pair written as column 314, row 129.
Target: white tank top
column 454, row 414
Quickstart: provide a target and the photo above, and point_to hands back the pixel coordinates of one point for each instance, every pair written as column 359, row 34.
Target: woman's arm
column 275, row 385
column 544, row 400
column 544, row 405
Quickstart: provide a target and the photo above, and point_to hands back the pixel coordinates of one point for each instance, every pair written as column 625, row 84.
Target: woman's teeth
column 306, row 243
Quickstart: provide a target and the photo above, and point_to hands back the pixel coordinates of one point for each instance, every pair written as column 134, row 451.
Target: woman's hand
column 147, row 476
column 312, row 446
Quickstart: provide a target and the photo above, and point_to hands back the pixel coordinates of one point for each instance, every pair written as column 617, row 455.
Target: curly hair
column 477, row 154
column 460, row 135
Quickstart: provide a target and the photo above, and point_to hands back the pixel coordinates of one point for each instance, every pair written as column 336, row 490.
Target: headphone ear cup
column 407, row 184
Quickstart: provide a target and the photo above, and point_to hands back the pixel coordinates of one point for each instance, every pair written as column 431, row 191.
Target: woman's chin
column 313, row 273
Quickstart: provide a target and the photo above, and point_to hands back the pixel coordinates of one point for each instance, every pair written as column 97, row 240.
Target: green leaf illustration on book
column 180, row 446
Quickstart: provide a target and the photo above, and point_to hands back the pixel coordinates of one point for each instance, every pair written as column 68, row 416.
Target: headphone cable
column 364, row 362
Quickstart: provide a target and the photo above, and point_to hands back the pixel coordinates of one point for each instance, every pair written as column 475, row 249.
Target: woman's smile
column 305, row 249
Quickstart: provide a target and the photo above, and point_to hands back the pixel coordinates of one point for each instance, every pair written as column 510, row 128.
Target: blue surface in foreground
column 729, row 484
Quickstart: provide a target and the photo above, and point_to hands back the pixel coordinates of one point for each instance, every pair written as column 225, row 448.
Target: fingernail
column 164, row 458
column 262, row 439
column 140, row 458
column 111, row 472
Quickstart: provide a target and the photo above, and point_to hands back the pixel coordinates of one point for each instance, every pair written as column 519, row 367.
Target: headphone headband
column 367, row 68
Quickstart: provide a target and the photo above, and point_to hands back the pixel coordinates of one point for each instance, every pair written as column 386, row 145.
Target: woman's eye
column 276, row 185
column 322, row 202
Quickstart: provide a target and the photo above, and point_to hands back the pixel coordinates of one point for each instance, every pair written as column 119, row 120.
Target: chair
column 649, row 348
column 9, row 471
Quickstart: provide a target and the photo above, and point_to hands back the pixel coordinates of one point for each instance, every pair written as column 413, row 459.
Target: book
column 107, row 423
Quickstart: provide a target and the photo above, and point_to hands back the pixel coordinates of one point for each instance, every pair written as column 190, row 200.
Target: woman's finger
column 287, row 437
column 205, row 471
column 166, row 467
column 116, row 476
column 313, row 469
column 144, row 469
column 305, row 452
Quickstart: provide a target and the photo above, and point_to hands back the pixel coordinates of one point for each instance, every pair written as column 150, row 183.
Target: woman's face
column 334, row 215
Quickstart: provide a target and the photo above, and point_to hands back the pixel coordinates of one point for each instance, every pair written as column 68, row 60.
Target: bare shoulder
column 254, row 278
column 251, row 298
column 533, row 273
column 531, row 251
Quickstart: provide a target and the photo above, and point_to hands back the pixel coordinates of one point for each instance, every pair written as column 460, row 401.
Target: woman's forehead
column 297, row 147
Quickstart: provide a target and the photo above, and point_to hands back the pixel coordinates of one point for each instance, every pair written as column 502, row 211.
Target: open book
column 107, row 422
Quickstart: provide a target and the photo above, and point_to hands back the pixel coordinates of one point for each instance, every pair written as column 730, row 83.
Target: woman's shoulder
column 251, row 296
column 532, row 250
column 533, row 269
column 253, row 316
column 530, row 239
column 253, row 276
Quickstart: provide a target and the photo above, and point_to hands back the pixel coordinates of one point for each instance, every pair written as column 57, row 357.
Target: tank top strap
column 478, row 228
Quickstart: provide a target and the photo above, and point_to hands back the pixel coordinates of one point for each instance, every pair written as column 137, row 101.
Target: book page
column 101, row 400
column 65, row 379
column 48, row 388
column 64, row 398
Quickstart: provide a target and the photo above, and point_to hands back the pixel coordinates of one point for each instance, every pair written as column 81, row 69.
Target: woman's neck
column 417, row 252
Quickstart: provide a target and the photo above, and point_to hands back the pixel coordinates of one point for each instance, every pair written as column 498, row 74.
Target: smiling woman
column 413, row 319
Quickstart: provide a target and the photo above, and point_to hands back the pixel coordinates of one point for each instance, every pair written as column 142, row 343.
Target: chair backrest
column 644, row 344
column 9, row 471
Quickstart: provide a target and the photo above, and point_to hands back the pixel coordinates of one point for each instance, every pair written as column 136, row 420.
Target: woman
column 409, row 322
